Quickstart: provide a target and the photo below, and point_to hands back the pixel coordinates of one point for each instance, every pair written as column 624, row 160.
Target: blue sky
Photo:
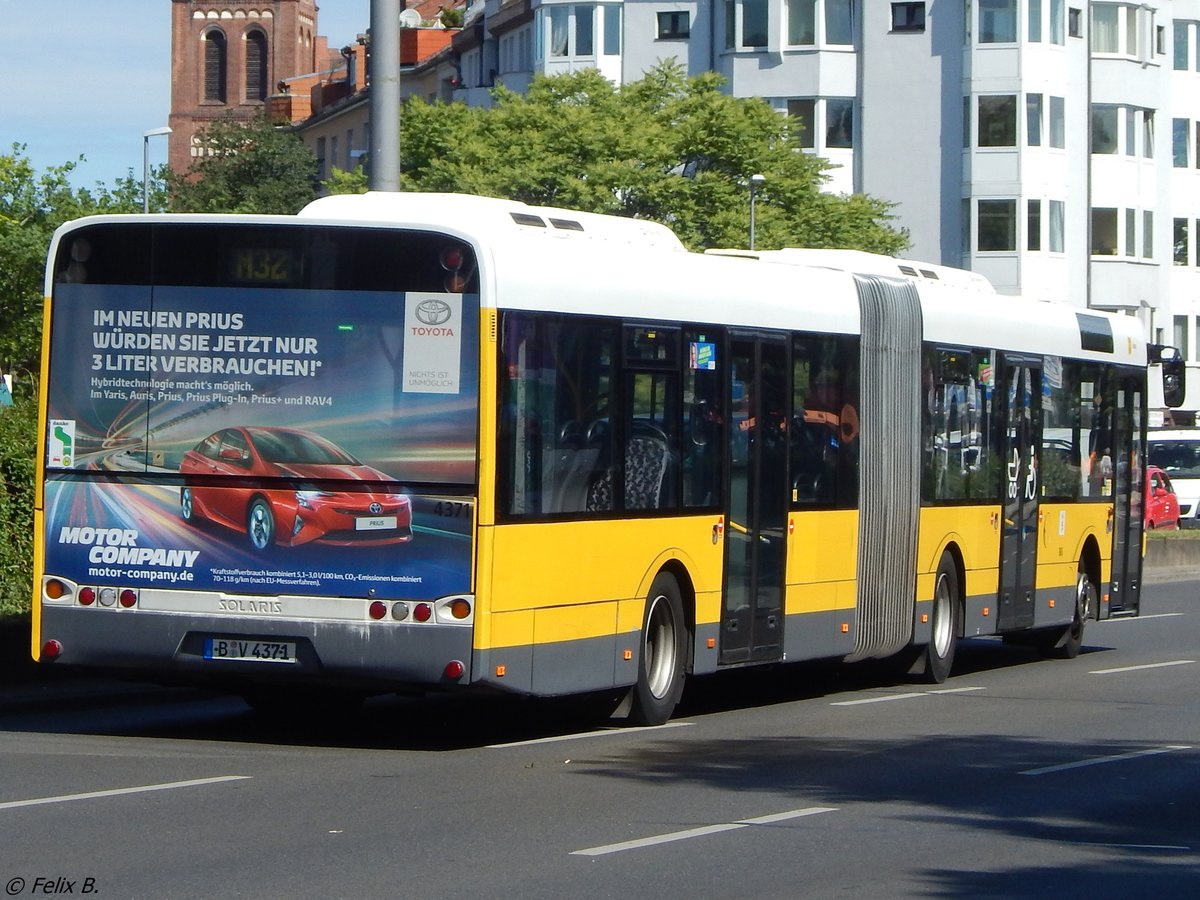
column 77, row 80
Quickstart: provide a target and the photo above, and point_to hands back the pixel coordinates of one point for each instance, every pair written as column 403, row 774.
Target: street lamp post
column 755, row 182
column 146, row 135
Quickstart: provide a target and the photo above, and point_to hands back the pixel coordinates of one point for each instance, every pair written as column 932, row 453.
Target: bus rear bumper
column 179, row 647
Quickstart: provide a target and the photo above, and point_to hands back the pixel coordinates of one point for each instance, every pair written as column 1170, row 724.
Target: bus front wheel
column 663, row 654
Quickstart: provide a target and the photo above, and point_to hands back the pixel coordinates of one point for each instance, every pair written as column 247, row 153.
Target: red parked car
column 305, row 510
column 1162, row 506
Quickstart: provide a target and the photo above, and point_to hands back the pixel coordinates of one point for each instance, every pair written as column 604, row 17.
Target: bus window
column 825, row 426
column 959, row 437
column 704, row 434
column 556, row 435
column 651, row 444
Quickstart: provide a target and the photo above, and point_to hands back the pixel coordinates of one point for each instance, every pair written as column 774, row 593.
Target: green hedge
column 18, row 424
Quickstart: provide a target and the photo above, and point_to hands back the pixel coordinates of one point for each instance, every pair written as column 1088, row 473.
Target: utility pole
column 384, row 50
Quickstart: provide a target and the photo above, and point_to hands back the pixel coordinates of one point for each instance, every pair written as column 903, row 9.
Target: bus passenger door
column 1022, row 436
column 759, row 394
column 1129, row 482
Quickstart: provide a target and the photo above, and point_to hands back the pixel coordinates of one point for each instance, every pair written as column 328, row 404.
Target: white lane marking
column 1131, row 846
column 1100, row 760
column 1161, row 665
column 1138, row 618
column 887, row 698
column 607, row 732
column 701, row 832
column 117, row 792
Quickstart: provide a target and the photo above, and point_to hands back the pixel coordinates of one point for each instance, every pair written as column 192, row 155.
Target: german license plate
column 375, row 523
column 260, row 651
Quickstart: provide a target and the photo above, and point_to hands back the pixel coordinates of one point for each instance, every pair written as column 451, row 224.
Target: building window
column 1075, row 22
column 1160, row 40
column 1057, row 226
column 997, row 121
column 612, row 29
column 1180, row 242
column 1058, row 22
column 570, row 32
column 1147, row 234
column 997, row 225
column 674, row 25
column 805, row 113
column 1058, row 123
column 1035, row 21
column 1148, row 133
column 256, row 65
column 802, row 22
column 839, row 22
column 1105, row 28
column 1104, row 232
column 909, row 16
column 1197, row 143
column 1179, row 142
column 997, row 21
column 215, row 62
column 1104, row 129
column 1180, row 330
column 1033, row 120
column 1182, row 58
column 1033, row 225
column 1131, row 232
column 839, row 124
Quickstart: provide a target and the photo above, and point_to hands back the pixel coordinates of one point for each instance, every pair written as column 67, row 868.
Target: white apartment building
column 1050, row 145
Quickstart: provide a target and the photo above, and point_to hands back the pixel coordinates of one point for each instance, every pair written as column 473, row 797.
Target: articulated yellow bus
column 437, row 441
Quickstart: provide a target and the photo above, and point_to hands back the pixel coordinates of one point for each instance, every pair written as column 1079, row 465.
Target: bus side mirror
column 1174, row 373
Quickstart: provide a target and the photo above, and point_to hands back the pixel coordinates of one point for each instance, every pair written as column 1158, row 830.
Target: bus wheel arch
column 663, row 656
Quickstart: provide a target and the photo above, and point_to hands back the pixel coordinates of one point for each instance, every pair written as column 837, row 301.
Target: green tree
column 32, row 206
column 667, row 147
column 248, row 167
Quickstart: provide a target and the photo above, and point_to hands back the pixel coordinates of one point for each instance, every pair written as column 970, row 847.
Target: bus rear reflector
column 454, row 670
column 51, row 650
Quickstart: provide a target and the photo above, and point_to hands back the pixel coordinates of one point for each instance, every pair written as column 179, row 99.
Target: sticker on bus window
column 60, row 444
column 432, row 343
column 702, row 355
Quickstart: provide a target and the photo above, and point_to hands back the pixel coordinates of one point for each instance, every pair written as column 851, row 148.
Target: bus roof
column 610, row 265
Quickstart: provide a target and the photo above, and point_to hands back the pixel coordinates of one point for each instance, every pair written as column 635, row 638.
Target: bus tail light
column 87, row 596
column 423, row 612
column 400, row 611
column 108, row 597
column 460, row 607
column 377, row 610
column 55, row 589
column 129, row 598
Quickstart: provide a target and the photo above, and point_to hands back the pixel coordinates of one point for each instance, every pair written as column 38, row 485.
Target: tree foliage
column 250, row 167
column 669, row 147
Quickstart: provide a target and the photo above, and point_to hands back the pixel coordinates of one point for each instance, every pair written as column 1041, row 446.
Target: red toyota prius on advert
column 1162, row 506
column 309, row 511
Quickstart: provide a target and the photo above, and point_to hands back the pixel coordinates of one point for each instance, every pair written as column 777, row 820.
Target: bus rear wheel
column 947, row 611
column 1065, row 643
column 663, row 654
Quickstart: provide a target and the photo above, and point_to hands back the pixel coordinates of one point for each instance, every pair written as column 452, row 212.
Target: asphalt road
column 1019, row 777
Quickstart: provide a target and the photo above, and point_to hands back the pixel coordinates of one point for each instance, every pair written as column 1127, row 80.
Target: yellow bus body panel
column 588, row 579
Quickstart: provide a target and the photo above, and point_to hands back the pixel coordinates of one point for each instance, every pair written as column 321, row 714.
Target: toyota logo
column 433, row 312
column 375, row 509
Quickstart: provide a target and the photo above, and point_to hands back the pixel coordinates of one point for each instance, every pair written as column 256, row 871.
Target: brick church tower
column 227, row 56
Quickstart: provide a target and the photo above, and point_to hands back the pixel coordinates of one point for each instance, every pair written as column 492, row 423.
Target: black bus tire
column 663, row 655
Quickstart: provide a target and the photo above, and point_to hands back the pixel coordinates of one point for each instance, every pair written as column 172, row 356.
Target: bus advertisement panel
column 198, row 438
